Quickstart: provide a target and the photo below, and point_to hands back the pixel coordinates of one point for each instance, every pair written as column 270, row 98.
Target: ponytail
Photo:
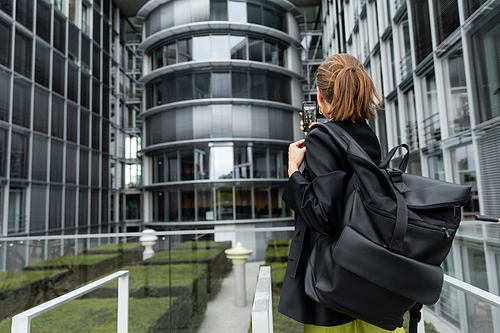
column 346, row 86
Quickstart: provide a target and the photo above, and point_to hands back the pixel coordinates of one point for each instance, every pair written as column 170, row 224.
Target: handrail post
column 262, row 310
column 122, row 324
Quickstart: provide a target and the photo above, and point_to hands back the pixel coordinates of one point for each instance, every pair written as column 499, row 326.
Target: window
column 55, row 208
column 432, row 127
column 3, row 151
column 21, row 110
column 84, row 128
column 73, row 41
column 201, row 162
column 464, row 172
column 24, row 13
column 261, row 199
column 97, row 27
column 224, row 203
column 222, row 163
column 58, row 69
column 71, row 158
column 184, row 87
column 22, row 61
column 188, row 205
column 436, row 167
column 238, row 47
column 56, row 161
column 260, row 163
column 255, row 49
column 84, row 167
column 41, row 111
column 85, row 90
column 72, row 123
column 5, row 96
column 202, row 85
column 254, row 13
column 5, row 41
column 243, row 199
column 6, row 6
column 218, row 10
column 205, row 204
column 185, row 50
column 242, row 165
column 447, row 18
column 43, row 20
column 57, row 117
column 239, row 85
column 59, row 32
column 201, row 48
column 42, row 64
column 19, row 155
column 72, row 81
column 220, row 47
column 237, row 11
column 456, row 93
column 170, row 53
column 38, row 207
column 158, row 207
column 221, row 85
column 411, row 120
column 187, row 165
column 83, row 210
column 17, row 217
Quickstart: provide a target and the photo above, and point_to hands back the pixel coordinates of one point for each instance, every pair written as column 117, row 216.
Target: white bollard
column 239, row 256
column 148, row 240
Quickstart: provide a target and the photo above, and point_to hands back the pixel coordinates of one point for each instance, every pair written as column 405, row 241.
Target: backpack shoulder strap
column 346, row 141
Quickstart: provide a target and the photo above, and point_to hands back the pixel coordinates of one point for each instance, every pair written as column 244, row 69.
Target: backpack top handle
column 404, row 162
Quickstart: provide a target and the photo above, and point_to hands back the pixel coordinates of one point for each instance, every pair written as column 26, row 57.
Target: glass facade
column 176, row 13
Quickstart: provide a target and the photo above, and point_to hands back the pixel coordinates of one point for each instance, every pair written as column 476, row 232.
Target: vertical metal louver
column 489, row 164
column 421, row 28
column 446, row 16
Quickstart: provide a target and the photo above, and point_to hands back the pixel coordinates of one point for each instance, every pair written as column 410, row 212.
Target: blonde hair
column 346, row 86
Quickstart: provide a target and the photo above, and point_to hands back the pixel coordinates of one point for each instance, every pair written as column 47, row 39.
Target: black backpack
column 397, row 229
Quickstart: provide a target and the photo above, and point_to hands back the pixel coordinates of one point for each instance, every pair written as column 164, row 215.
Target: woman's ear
column 320, row 96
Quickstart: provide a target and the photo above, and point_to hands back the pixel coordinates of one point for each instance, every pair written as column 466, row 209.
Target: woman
column 346, row 95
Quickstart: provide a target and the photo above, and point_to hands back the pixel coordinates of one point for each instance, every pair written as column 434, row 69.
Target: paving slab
column 222, row 316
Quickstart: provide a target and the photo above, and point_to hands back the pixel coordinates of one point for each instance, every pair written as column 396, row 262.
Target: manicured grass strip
column 203, row 245
column 100, row 315
column 276, row 254
column 114, row 248
column 68, row 261
column 10, row 281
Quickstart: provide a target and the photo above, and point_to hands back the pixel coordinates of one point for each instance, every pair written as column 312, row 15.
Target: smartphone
column 309, row 114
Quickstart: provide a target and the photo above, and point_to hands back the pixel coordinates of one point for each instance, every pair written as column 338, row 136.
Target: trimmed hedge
column 203, row 245
column 100, row 315
column 83, row 268
column 131, row 252
column 20, row 291
column 278, row 242
column 217, row 263
column 276, row 254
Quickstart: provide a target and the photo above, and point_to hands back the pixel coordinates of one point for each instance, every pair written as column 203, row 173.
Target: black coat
column 317, row 197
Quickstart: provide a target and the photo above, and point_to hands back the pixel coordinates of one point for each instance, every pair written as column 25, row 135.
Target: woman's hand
column 296, row 153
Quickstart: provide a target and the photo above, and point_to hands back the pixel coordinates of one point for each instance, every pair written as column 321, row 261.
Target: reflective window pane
column 56, row 161
column 239, row 84
column 243, row 201
column 255, row 49
column 261, row 202
column 5, row 41
column 5, row 96
column 59, row 32
column 184, row 87
column 237, row 11
column 254, row 13
column 201, row 48
column 19, row 155
column 42, row 64
column 38, row 206
column 24, row 13
column 464, row 172
column 221, row 85
column 201, row 161
column 58, row 69
column 456, row 94
column 40, row 154
column 218, row 10
column 21, row 111
column 57, row 124
column 173, row 206
column 242, row 165
column 22, row 60
column 188, row 205
column 202, row 85
column 185, row 50
column 222, row 163
column 187, row 165
column 158, row 206
column 171, row 54
column 172, row 167
column 41, row 111
column 259, row 163
column 224, row 203
column 238, row 47
column 205, row 205
column 220, row 47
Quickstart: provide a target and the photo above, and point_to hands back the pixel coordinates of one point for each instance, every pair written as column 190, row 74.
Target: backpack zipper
column 420, row 223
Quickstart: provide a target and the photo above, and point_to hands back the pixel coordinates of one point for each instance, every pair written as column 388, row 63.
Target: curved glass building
column 223, row 87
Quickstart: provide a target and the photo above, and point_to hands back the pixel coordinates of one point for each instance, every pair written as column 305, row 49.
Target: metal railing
column 432, row 128
column 262, row 309
column 21, row 323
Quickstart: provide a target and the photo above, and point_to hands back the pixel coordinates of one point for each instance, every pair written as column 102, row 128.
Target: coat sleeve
column 319, row 201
